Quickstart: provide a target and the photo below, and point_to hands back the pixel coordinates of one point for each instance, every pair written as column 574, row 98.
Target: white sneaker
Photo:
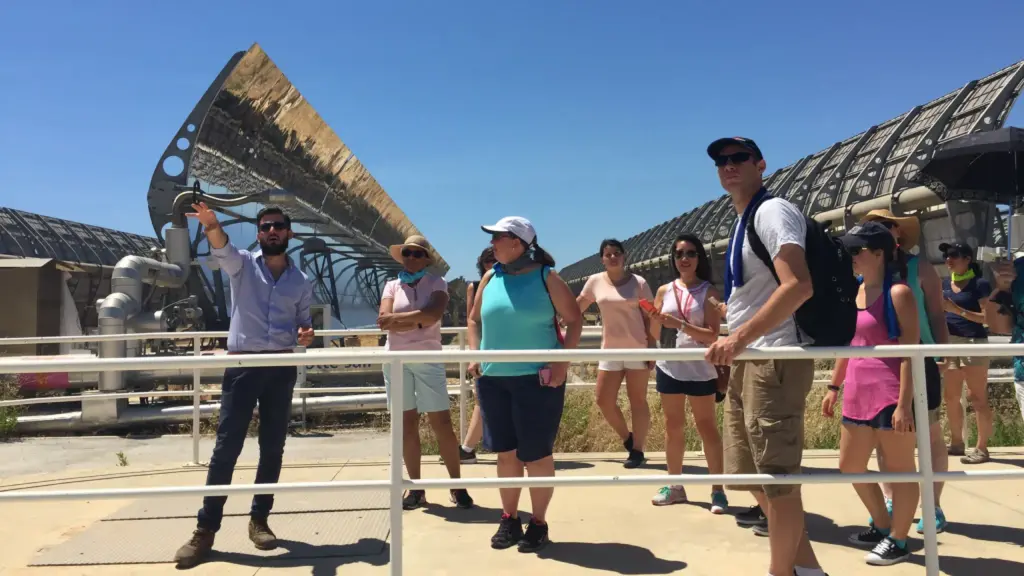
column 669, row 495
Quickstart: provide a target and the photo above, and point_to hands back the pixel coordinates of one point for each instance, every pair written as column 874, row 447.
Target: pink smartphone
column 545, row 376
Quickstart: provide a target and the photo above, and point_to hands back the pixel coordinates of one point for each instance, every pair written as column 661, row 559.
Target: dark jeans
column 243, row 389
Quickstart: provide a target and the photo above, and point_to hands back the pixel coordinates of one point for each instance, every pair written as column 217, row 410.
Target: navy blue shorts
column 666, row 384
column 519, row 414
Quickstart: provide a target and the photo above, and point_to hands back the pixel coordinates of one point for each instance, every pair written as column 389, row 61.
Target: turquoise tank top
column 914, row 281
column 517, row 314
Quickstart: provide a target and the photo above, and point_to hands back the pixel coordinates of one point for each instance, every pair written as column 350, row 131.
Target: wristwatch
column 833, row 388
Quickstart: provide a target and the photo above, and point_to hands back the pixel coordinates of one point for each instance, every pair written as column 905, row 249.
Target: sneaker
column 753, row 516
column 719, row 503
column 636, row 459
column 510, row 531
column 414, row 499
column 467, row 456
column 940, row 522
column 195, row 550
column 868, row 538
column 536, row 537
column 261, row 534
column 760, row 529
column 460, row 497
column 888, row 508
column 669, row 495
column 887, row 553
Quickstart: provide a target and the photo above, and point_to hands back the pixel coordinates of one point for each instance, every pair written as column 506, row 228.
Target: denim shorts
column 519, row 414
column 424, row 387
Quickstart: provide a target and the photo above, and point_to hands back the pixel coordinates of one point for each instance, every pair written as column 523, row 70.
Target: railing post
column 965, row 430
column 397, row 412
column 922, row 430
column 197, row 346
column 463, row 390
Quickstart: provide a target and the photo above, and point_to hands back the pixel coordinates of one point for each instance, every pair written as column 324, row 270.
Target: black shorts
column 933, row 383
column 519, row 414
column 669, row 385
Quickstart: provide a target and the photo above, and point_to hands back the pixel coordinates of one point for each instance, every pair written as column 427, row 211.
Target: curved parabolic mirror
column 253, row 140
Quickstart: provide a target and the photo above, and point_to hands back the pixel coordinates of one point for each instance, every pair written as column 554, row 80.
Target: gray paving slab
column 303, row 535
column 186, row 507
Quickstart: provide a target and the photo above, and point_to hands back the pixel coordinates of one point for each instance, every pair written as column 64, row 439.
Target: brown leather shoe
column 195, row 550
column 261, row 535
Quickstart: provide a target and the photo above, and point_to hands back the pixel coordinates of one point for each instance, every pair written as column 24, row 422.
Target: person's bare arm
column 565, row 306
column 999, row 318
column 429, row 315
column 931, row 284
column 910, row 333
column 707, row 333
column 473, row 323
column 470, row 297
column 654, row 319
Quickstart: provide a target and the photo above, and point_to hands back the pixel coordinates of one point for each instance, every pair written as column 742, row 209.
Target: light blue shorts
column 424, row 387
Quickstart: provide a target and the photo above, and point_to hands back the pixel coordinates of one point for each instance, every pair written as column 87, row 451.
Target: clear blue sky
column 588, row 117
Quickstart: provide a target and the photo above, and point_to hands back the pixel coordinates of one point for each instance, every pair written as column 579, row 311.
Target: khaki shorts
column 966, row 361
column 764, row 420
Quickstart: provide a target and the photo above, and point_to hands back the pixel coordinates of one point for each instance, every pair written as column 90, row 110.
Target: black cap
column 870, row 235
column 956, row 250
column 716, row 147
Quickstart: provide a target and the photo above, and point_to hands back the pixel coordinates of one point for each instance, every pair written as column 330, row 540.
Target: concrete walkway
column 594, row 530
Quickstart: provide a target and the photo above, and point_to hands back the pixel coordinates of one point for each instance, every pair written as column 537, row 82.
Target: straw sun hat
column 415, row 241
column 910, row 226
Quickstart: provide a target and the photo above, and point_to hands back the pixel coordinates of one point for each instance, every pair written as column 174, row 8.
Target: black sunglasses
column 407, row 253
column 691, row 254
column 889, row 224
column 268, row 226
column 955, row 253
column 500, row 235
column 735, row 158
column 856, row 250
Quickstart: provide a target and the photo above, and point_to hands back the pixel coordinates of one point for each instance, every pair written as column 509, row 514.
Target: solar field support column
column 397, row 413
column 463, row 391
column 922, row 429
column 197, row 346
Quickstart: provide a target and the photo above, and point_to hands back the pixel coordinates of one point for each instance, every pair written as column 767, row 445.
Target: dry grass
column 584, row 429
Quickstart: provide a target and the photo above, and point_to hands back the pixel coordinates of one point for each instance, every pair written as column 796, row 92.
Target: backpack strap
column 757, row 245
column 762, row 253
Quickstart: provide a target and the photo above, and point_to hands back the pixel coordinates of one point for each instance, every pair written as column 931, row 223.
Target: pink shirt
column 621, row 318
column 871, row 384
column 407, row 299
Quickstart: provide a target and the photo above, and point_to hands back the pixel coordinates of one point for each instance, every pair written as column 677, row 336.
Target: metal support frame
column 994, row 113
column 834, row 183
column 872, row 172
column 802, row 195
column 928, row 141
column 782, row 189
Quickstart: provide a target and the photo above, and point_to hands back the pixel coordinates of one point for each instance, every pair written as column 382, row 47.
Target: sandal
column 975, row 457
column 955, row 450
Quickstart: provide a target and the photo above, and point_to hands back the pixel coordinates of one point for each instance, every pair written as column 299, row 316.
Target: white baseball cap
column 516, row 225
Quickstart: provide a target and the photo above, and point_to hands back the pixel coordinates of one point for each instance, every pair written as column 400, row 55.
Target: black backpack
column 830, row 316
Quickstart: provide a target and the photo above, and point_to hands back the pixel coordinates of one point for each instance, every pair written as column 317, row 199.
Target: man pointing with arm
column 270, row 299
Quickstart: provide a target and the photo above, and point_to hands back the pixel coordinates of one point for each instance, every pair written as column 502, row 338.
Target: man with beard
column 270, row 299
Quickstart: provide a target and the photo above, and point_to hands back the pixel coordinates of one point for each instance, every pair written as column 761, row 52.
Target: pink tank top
column 871, row 383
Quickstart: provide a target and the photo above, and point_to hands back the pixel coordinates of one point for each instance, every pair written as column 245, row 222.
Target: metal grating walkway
column 313, row 525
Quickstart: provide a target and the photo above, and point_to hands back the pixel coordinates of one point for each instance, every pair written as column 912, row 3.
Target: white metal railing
column 397, row 483
column 197, row 392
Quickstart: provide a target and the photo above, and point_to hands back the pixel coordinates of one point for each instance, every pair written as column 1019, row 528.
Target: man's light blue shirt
column 265, row 314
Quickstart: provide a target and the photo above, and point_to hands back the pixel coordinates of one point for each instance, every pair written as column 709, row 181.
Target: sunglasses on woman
column 409, row 253
column 691, row 254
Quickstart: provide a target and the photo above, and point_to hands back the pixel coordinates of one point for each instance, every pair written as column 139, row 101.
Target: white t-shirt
column 777, row 223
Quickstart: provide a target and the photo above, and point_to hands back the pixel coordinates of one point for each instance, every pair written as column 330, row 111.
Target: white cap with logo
column 516, row 225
